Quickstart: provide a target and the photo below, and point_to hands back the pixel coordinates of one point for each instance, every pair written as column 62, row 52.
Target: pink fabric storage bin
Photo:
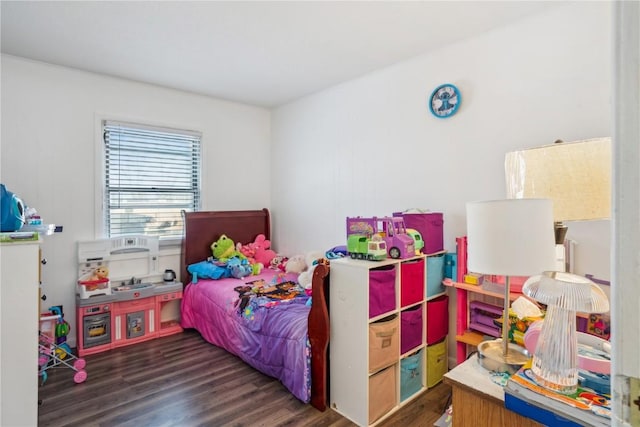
column 382, row 290
column 430, row 225
column 437, row 319
column 411, row 282
column 410, row 328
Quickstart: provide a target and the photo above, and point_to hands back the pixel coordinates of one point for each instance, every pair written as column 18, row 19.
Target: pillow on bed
column 207, row 270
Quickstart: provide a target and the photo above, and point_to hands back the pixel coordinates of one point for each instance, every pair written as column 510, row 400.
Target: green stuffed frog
column 224, row 248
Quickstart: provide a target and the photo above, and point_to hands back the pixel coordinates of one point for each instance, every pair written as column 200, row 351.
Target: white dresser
column 19, row 323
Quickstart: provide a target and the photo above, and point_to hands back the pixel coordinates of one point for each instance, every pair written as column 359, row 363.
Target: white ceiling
column 263, row 53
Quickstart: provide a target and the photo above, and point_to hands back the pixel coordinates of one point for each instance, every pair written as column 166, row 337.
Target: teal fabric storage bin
column 411, row 368
column 451, row 267
column 435, row 275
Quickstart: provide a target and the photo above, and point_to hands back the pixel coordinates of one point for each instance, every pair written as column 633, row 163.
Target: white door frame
column 625, row 256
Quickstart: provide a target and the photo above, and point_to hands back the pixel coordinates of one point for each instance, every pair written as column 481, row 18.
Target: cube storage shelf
column 380, row 351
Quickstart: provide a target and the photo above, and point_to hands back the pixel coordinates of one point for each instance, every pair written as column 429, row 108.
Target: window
column 151, row 175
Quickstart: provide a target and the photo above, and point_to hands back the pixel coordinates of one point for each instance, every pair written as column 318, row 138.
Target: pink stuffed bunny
column 263, row 254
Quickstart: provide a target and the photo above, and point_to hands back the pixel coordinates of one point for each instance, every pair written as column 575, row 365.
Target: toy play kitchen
column 122, row 296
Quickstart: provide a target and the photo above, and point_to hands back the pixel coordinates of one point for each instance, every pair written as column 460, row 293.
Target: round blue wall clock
column 444, row 101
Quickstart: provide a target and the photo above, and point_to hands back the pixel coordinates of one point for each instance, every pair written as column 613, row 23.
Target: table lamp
column 555, row 359
column 510, row 237
column 576, row 176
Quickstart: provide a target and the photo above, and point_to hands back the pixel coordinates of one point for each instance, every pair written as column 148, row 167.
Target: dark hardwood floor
column 181, row 380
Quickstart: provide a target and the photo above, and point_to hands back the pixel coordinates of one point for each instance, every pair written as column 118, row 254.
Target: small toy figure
column 100, row 273
column 99, row 277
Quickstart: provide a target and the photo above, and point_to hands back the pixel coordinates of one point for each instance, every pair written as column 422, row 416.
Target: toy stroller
column 53, row 355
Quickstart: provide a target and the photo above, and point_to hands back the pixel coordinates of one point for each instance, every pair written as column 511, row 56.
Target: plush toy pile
column 233, row 260
column 240, row 260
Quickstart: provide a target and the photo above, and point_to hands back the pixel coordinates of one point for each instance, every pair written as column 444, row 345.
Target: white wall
column 49, row 117
column 371, row 146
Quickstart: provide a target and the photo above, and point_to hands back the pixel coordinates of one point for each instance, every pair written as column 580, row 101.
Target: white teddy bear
column 304, row 279
column 296, row 264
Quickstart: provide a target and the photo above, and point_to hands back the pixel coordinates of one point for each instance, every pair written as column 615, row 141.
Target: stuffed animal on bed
column 296, row 264
column 247, row 250
column 239, row 268
column 263, row 253
column 312, row 259
column 279, row 262
column 224, row 248
column 305, row 278
column 207, row 270
column 258, row 251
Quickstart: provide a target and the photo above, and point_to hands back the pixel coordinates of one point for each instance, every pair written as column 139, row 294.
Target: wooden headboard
column 203, row 228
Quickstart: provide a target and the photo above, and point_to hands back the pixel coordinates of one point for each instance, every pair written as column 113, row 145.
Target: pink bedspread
column 272, row 339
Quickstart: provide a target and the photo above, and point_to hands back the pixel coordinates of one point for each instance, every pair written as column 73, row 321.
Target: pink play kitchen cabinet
column 136, row 303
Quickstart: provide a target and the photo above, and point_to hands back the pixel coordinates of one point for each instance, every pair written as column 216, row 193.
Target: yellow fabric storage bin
column 384, row 342
column 437, row 363
column 382, row 393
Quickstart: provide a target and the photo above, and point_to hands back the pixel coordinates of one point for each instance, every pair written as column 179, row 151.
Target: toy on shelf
column 417, row 239
column 95, row 282
column 51, row 355
column 376, row 237
column 482, row 317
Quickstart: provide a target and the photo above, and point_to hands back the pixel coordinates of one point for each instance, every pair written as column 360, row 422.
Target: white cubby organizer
column 376, row 367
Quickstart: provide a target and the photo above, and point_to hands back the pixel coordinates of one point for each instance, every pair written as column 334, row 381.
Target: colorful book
column 585, row 407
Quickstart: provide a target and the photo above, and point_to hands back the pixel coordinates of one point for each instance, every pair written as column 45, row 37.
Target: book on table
column 584, row 407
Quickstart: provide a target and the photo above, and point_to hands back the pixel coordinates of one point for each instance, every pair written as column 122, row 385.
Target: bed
column 288, row 341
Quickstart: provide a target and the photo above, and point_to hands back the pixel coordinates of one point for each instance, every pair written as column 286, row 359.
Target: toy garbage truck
column 360, row 246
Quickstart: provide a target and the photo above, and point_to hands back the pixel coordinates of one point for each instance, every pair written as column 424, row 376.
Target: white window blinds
column 151, row 175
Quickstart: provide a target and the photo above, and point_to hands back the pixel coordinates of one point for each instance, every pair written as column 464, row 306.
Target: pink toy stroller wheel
column 42, row 360
column 80, row 376
column 79, row 364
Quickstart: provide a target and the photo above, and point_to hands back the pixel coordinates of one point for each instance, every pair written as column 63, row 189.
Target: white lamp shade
column 511, row 237
column 576, row 176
